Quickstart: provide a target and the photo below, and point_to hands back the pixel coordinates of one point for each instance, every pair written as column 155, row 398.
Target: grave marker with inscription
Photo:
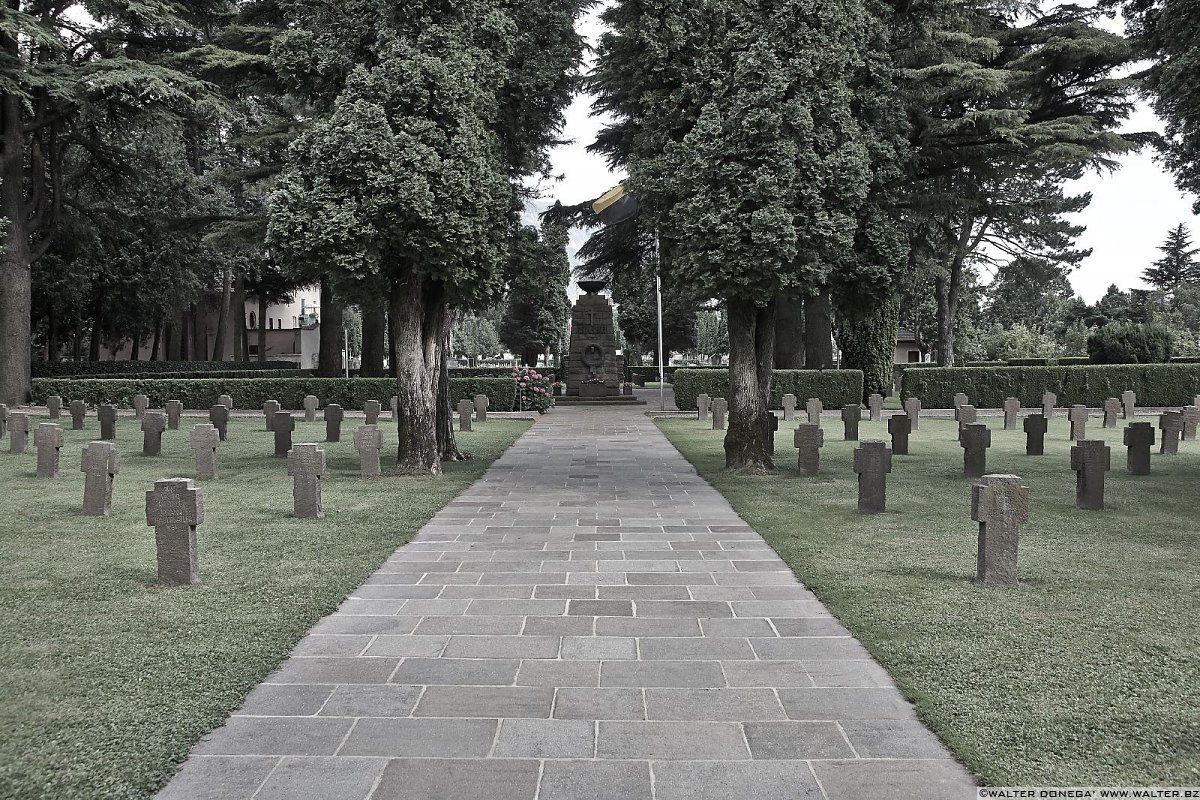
column 100, row 462
column 1171, row 425
column 975, row 439
column 482, row 401
column 174, row 412
column 851, row 416
column 18, row 432
column 270, row 409
column 1112, row 407
column 1078, row 416
column 107, row 414
column 1012, row 411
column 174, row 507
column 54, row 406
column 333, row 422
column 1000, row 504
column 205, row 439
column 1138, row 438
column 899, row 427
column 311, row 403
column 872, row 462
column 306, row 465
column 368, row 441
column 808, row 440
column 789, row 407
column 78, row 415
column 1129, row 403
column 140, row 404
column 814, row 408
column 48, row 439
column 719, row 408
column 465, row 409
column 1090, row 460
column 282, row 424
column 875, row 404
column 218, row 416
column 153, row 425
column 372, row 409
column 912, row 409
column 703, row 404
column 1035, row 434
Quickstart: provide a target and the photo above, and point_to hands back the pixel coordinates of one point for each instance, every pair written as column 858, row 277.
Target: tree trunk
column 751, row 356
column 237, row 312
column 16, row 276
column 97, row 324
column 445, row 412
column 329, row 361
column 185, row 333
column 374, row 321
column 218, row 351
column 171, row 335
column 818, row 331
column 789, row 334
column 157, row 341
column 51, row 334
column 199, row 331
column 529, row 355
column 415, row 306
column 77, row 337
column 391, row 343
column 135, row 346
column 262, row 328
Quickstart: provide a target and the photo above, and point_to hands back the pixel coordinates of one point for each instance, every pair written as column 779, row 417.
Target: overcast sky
column 1131, row 211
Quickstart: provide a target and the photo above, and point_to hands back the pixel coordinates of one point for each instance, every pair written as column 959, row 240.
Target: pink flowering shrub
column 533, row 390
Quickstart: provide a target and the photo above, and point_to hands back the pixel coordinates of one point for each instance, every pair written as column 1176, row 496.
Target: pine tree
column 1178, row 264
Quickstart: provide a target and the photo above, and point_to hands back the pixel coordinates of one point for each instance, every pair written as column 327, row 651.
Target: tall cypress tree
column 1178, row 264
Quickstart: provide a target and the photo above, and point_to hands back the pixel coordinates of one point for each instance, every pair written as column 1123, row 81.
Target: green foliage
column 533, row 389
column 494, row 372
column 1178, row 264
column 712, row 335
column 474, row 337
column 988, row 387
column 1130, row 343
column 868, row 342
column 834, row 387
column 50, row 369
column 538, row 272
column 251, row 393
column 1017, row 342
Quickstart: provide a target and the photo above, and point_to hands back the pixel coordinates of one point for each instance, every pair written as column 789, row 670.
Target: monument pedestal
column 594, row 371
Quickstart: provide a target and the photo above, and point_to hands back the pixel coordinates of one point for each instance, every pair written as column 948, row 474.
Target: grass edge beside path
column 109, row 679
column 1085, row 675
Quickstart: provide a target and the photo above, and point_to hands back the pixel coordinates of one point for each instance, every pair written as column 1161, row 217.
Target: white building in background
column 293, row 329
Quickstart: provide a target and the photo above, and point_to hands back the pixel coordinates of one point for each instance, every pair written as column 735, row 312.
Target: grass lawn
column 1087, row 674
column 106, row 679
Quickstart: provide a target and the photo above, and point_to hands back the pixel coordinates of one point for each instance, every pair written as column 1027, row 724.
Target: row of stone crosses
column 999, row 503
column 175, row 506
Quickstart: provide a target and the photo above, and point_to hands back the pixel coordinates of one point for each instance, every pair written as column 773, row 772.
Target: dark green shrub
column 232, row 373
column 1023, row 362
column 1129, row 343
column 1185, row 359
column 987, row 387
column 251, row 393
column 1072, row 361
column 497, row 372
column 834, row 387
column 985, row 364
column 651, row 373
column 51, row 369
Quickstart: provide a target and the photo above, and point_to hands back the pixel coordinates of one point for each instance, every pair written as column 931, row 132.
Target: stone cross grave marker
column 1129, row 403
column 899, row 427
column 270, row 409
column 140, row 404
column 1000, row 504
column 282, row 424
column 1090, row 459
column 48, row 439
column 481, row 407
column 306, row 465
column 18, row 432
column 218, row 416
column 465, row 409
column 99, row 463
column 205, row 440
column 3, row 420
column 153, row 425
column 851, row 416
column 719, row 407
column 813, row 408
column 1012, row 410
column 966, row 415
column 1171, row 425
column 333, row 422
column 912, row 409
column 1035, row 434
column 1191, row 420
column 961, row 399
column 371, row 409
column 54, row 406
column 368, row 441
column 174, row 412
column 703, row 404
column 1138, row 438
column 395, row 406
column 174, row 507
column 772, row 429
column 225, row 400
column 107, row 414
column 1049, row 402
column 872, row 462
column 1112, row 407
column 808, row 440
column 310, row 407
column 975, row 439
column 789, row 406
column 875, row 404
column 78, row 415
column 1078, row 416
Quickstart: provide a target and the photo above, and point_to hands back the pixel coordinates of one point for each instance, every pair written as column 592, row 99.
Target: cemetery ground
column 107, row 678
column 1085, row 674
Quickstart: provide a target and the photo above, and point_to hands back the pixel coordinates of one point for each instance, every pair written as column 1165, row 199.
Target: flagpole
column 662, row 386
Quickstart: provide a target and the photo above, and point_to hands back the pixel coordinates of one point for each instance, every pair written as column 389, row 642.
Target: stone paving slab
column 589, row 620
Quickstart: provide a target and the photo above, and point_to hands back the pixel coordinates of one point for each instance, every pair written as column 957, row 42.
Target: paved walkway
column 589, row 620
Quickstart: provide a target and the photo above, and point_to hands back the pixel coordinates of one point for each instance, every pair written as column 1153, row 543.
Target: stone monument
column 593, row 367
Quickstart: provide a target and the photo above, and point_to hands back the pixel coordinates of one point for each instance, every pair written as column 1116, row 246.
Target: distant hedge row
column 51, row 369
column 251, row 393
column 257, row 374
column 988, row 387
column 496, row 372
column 834, row 387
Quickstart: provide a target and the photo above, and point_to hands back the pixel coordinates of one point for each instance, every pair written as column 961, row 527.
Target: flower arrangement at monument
column 533, row 390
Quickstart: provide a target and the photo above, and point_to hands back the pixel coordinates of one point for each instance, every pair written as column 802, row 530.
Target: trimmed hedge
column 497, row 372
column 251, row 393
column 651, row 373
column 51, row 369
column 834, row 387
column 987, row 387
column 231, row 373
